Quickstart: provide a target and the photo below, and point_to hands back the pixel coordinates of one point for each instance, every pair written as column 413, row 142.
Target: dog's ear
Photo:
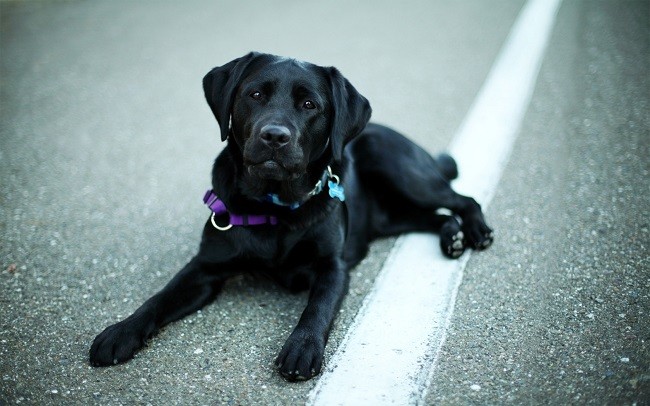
column 220, row 85
column 350, row 112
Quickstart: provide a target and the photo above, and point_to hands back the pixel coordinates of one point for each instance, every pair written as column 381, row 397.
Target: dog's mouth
column 271, row 170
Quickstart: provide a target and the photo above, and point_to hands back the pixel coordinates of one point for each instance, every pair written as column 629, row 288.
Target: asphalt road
column 106, row 146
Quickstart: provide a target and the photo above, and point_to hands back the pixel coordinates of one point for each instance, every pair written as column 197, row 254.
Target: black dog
column 302, row 187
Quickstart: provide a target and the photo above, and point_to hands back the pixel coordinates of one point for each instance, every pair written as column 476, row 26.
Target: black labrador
column 302, row 187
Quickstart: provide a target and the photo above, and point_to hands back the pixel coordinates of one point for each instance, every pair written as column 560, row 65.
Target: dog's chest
column 276, row 249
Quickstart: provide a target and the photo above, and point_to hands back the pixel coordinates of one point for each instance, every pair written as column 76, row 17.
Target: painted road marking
column 390, row 352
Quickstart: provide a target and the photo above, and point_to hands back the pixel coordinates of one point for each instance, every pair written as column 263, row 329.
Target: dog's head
column 284, row 115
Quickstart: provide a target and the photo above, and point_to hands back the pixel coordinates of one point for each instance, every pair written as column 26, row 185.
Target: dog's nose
column 275, row 136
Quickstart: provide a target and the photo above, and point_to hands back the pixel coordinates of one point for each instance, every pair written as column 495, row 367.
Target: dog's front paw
column 301, row 357
column 479, row 235
column 118, row 343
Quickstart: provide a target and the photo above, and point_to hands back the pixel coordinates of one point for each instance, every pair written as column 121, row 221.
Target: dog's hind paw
column 487, row 241
column 452, row 239
column 455, row 247
column 479, row 235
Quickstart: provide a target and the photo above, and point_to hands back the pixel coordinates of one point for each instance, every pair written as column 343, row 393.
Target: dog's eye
column 256, row 95
column 309, row 105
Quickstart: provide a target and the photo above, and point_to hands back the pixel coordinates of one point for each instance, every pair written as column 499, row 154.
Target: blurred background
column 106, row 147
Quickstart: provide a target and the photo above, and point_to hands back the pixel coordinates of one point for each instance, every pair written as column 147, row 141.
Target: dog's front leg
column 301, row 357
column 196, row 285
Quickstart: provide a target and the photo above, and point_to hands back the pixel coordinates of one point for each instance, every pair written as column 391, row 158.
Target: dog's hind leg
column 413, row 219
column 410, row 185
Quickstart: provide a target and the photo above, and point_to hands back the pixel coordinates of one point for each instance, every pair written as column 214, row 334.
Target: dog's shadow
column 245, row 327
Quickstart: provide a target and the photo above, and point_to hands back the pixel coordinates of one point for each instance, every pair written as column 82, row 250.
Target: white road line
column 389, row 354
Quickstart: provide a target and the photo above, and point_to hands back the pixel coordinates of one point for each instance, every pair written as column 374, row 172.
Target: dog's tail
column 447, row 166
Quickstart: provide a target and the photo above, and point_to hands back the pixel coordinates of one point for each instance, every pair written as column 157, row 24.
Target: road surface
column 106, row 146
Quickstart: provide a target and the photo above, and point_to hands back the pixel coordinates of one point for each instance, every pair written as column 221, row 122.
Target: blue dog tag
column 336, row 191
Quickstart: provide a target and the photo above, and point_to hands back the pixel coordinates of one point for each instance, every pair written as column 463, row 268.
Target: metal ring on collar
column 332, row 176
column 214, row 223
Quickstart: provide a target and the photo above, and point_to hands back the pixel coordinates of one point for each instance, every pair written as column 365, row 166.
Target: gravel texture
column 106, row 146
column 557, row 311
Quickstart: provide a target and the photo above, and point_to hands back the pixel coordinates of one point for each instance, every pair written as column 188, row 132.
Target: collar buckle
column 218, row 208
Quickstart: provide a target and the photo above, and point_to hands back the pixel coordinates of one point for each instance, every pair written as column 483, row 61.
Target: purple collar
column 218, row 207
